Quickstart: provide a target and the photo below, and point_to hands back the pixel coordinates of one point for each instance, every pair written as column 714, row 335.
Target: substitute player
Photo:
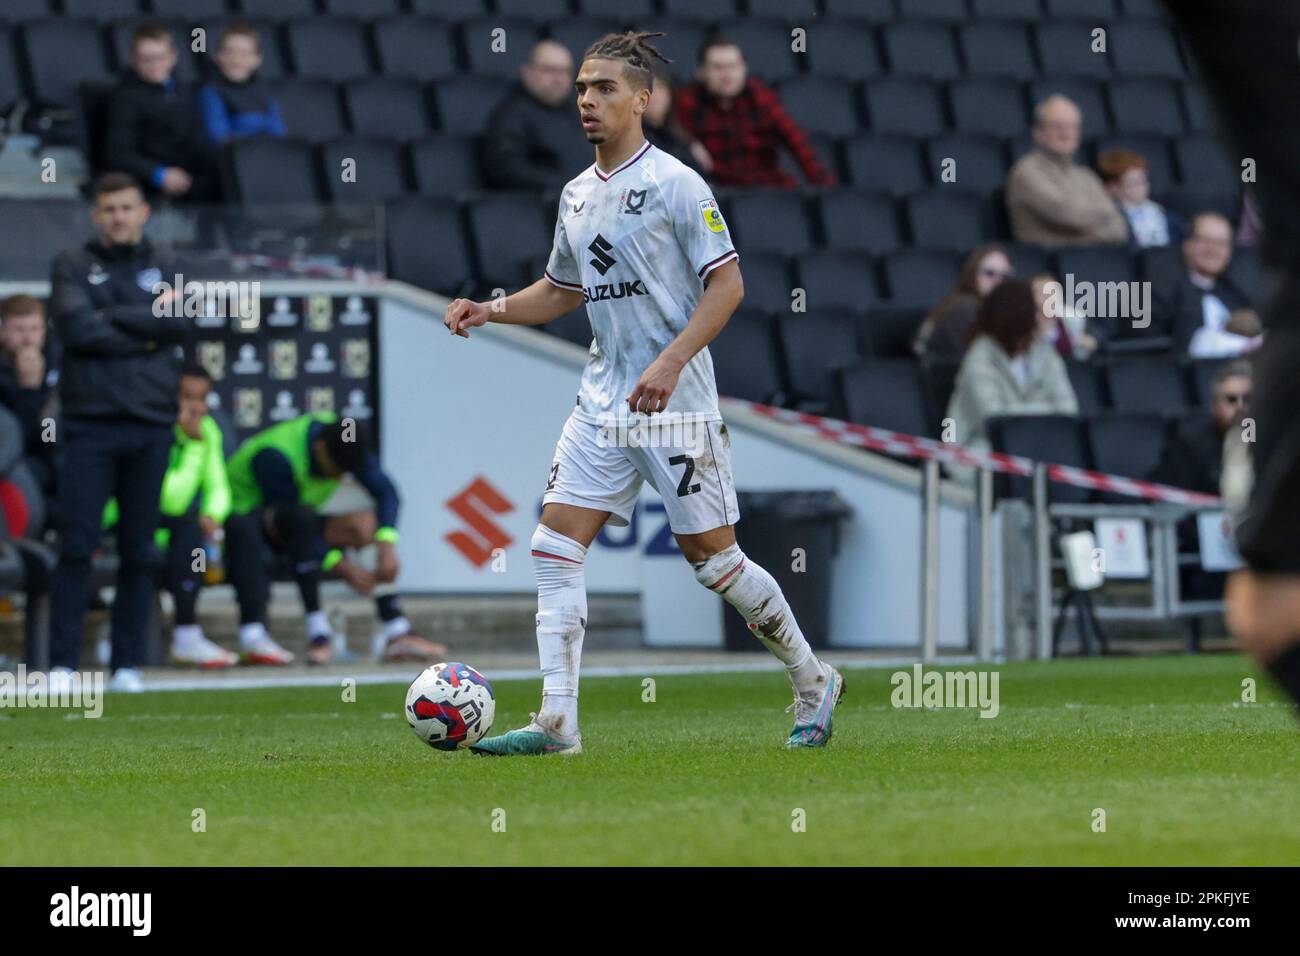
column 639, row 238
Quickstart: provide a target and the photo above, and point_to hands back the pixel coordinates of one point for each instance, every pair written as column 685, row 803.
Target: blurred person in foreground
column 943, row 335
column 29, row 375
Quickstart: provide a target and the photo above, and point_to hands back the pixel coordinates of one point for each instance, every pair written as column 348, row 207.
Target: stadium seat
column 823, row 104
column 632, row 11
column 187, row 9
column 1143, row 105
column 101, row 10
column 947, row 11
column 794, row 11
column 1248, row 273
column 920, row 49
column 858, row 221
column 1065, row 49
column 365, row 9
column 766, row 45
column 266, row 172
column 1085, row 379
column 745, row 360
column 11, row 82
column 1146, row 9
column 1148, row 383
column 20, row 10
column 382, row 106
column 577, row 35
column 1101, row 10
column 945, row 218
column 426, row 246
column 904, row 105
column 770, row 222
column 61, row 54
column 991, row 48
column 886, row 393
column 844, row 50
column 707, row 10
column 42, row 228
column 418, row 48
column 889, row 162
column 1053, row 439
column 1126, row 444
column 1024, row 11
column 873, row 11
column 1086, row 93
column 328, row 48
column 994, row 107
column 1096, row 264
column 538, row 11
column 939, row 378
column 452, row 10
column 1200, row 379
column 767, row 281
column 917, row 278
column 444, row 165
column 478, row 37
column 814, row 346
column 1201, row 117
column 1027, row 259
column 508, row 229
column 277, row 9
column 379, row 171
column 311, row 109
column 979, row 161
column 680, row 43
column 1206, row 162
column 837, row 280
column 1141, row 48
column 464, row 103
column 888, row 331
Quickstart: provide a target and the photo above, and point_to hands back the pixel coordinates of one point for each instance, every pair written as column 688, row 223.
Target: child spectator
column 1125, row 174
column 234, row 103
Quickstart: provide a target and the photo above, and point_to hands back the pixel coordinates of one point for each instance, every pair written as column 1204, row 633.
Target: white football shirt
column 637, row 242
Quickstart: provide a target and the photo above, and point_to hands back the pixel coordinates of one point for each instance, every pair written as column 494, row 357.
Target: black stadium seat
column 367, row 9
column 479, row 36
column 1149, row 383
column 392, row 108
column 995, row 107
column 1025, row 11
column 1054, row 439
column 889, row 162
column 823, row 104
column 770, row 222
column 632, row 10
column 1126, row 443
column 444, row 165
column 311, row 109
column 508, row 229
column 887, row 393
column 992, row 48
column 61, row 54
column 904, row 105
column 793, row 10
column 1201, row 117
column 46, row 227
column 328, row 48
column 948, row 11
column 979, row 162
column 888, row 331
column 19, row 10
column 916, row 278
column 378, row 170
column 187, row 9
column 680, row 43
column 872, row 11
column 837, row 280
column 453, row 10
column 1200, row 375
column 1141, row 48
column 766, row 45
column 277, row 9
column 844, row 50
column 577, row 35
column 267, row 172
column 1085, row 379
column 426, row 246
column 745, row 360
column 946, row 217
column 767, row 281
column 1207, row 162
column 1083, row 9
column 814, row 346
column 536, row 10
column 101, row 10
column 921, row 49
column 859, row 221
column 464, row 103
column 420, row 48
column 11, row 82
column 1142, row 105
column 1065, row 48
column 1096, row 264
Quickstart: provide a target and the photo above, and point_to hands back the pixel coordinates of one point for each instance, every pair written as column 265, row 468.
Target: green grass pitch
column 1185, row 772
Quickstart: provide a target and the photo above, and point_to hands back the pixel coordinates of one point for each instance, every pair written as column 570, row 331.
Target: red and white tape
column 913, row 446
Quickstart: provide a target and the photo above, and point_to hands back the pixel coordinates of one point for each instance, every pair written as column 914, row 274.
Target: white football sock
column 186, row 635
column 251, row 633
column 318, row 625
column 756, row 595
column 397, row 627
column 561, row 624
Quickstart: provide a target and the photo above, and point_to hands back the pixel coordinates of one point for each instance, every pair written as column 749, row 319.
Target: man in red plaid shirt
column 741, row 122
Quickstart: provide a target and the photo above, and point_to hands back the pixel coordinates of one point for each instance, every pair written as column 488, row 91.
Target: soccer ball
column 450, row 706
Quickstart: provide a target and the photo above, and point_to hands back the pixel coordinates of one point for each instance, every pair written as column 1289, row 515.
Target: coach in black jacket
column 119, row 383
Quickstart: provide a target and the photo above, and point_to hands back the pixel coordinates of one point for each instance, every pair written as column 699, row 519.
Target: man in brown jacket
column 1052, row 200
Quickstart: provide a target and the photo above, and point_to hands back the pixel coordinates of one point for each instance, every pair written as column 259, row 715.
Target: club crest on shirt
column 148, row 278
column 633, row 200
column 712, row 215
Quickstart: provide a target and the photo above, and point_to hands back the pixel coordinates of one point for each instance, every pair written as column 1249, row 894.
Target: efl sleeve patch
column 712, row 215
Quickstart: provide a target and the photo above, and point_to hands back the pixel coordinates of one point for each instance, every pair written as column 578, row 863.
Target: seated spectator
column 1008, row 370
column 1067, row 332
column 1149, row 224
column 533, row 139
column 235, row 103
column 1196, row 304
column 1192, row 458
column 943, row 335
column 661, row 127
column 742, row 123
column 1053, row 200
column 155, row 132
column 28, row 376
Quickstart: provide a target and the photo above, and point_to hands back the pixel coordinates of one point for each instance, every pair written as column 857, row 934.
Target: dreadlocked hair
column 631, row 47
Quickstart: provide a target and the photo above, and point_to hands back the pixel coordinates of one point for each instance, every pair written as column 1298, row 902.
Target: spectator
column 1051, row 199
column 1060, row 326
column 28, row 376
column 234, row 103
column 661, row 127
column 1008, row 370
column 943, row 335
column 278, row 478
column 195, row 502
column 1192, row 458
column 155, row 132
column 1149, row 224
column 533, row 139
column 741, row 123
column 118, row 385
column 1196, row 304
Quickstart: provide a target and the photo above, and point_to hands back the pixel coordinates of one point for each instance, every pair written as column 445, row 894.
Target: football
column 450, row 706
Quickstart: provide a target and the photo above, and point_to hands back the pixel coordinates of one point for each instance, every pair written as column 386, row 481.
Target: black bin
column 772, row 524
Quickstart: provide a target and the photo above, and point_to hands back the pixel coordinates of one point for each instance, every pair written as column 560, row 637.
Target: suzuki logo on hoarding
column 472, row 506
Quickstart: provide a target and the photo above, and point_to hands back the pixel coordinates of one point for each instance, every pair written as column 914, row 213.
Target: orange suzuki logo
column 472, row 506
